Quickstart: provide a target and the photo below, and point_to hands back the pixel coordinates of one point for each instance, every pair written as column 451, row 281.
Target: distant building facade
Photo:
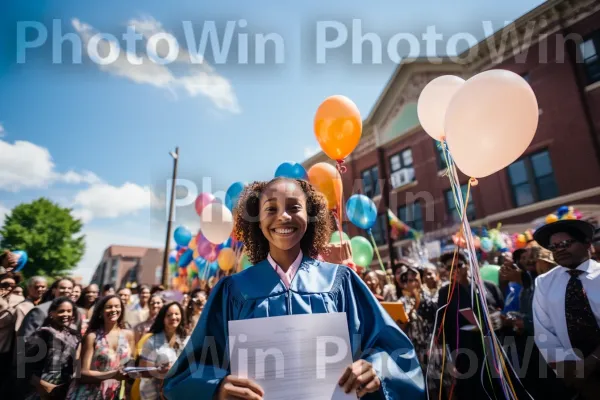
column 400, row 167
column 123, row 266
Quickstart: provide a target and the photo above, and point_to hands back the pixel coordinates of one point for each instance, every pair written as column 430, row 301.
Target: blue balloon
column 233, row 195
column 186, row 258
column 201, row 263
column 225, row 244
column 291, row 170
column 361, row 211
column 21, row 261
column 562, row 211
column 182, row 236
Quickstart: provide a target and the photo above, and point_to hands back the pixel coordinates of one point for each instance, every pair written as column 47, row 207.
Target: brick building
column 399, row 166
column 121, row 265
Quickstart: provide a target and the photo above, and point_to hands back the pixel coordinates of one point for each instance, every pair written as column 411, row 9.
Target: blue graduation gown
column 318, row 287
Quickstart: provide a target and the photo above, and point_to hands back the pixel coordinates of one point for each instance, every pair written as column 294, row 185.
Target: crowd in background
column 77, row 341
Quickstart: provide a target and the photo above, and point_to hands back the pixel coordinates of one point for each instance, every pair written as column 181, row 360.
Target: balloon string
column 370, row 232
column 341, row 167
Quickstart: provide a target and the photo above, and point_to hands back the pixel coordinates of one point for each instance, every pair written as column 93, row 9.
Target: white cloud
column 311, row 151
column 78, row 178
column 102, row 200
column 97, row 240
column 26, row 165
column 196, row 79
column 3, row 211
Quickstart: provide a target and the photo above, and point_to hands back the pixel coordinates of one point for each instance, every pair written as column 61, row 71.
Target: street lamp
column 165, row 266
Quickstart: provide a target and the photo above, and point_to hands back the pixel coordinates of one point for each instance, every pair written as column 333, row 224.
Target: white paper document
column 294, row 356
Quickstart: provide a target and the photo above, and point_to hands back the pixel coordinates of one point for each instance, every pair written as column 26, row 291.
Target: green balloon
column 362, row 251
column 335, row 237
column 245, row 263
column 490, row 273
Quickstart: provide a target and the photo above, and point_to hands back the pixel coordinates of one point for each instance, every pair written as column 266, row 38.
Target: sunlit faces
column 173, row 317
column 125, row 295
column 38, row 289
column 372, row 281
column 156, row 303
column 113, row 310
column 75, row 293
column 283, row 214
column 430, row 277
column 64, row 288
column 567, row 251
column 63, row 316
column 91, row 293
column 144, row 295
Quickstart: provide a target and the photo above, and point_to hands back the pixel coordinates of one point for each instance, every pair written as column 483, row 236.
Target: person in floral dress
column 107, row 349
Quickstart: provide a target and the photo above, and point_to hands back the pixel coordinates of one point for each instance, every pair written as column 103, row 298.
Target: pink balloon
column 202, row 201
column 490, row 122
column 205, row 248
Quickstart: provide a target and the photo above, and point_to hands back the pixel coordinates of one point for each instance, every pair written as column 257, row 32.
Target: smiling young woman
column 284, row 225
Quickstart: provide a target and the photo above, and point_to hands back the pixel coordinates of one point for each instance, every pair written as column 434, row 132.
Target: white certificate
column 293, row 356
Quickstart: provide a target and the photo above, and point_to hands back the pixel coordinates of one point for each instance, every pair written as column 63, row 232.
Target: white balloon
column 433, row 103
column 490, row 122
column 216, row 223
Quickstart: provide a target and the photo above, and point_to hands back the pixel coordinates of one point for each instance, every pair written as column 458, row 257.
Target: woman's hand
column 239, row 388
column 360, row 377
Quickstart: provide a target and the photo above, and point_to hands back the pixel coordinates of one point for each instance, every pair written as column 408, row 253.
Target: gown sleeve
column 383, row 344
column 203, row 363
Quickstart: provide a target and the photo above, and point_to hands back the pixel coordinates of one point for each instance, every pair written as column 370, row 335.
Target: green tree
column 48, row 233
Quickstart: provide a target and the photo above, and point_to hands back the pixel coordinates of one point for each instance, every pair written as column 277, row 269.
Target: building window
column 380, row 230
column 412, row 215
column 370, row 181
column 401, row 167
column 451, row 205
column 590, row 58
column 532, row 179
column 439, row 155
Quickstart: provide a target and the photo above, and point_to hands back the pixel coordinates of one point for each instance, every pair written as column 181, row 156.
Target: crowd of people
column 65, row 341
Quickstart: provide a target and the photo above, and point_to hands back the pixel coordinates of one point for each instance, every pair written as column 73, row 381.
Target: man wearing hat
column 566, row 306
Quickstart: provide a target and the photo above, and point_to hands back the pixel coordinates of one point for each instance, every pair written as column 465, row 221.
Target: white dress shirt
column 551, row 334
column 287, row 277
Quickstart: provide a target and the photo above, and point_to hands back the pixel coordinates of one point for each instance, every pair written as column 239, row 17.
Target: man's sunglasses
column 7, row 285
column 565, row 244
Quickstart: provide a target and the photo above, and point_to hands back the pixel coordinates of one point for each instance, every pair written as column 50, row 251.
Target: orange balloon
column 338, row 127
column 327, row 180
column 226, row 259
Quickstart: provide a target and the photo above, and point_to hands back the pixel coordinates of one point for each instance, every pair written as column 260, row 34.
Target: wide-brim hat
column 543, row 234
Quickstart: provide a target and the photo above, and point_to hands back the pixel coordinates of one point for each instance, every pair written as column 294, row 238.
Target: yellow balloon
column 551, row 218
column 226, row 259
column 193, row 244
column 196, row 254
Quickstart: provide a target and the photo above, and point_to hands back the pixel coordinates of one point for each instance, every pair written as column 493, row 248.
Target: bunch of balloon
column 483, row 125
column 338, row 129
column 563, row 213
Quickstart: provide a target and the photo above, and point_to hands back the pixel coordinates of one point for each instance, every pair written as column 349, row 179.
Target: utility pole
column 165, row 266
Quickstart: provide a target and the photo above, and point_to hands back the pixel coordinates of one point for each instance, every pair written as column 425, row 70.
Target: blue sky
column 97, row 139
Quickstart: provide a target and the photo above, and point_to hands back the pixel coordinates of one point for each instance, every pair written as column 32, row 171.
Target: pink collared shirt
column 286, row 277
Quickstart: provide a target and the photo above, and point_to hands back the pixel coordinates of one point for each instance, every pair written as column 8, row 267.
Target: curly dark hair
column 247, row 224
